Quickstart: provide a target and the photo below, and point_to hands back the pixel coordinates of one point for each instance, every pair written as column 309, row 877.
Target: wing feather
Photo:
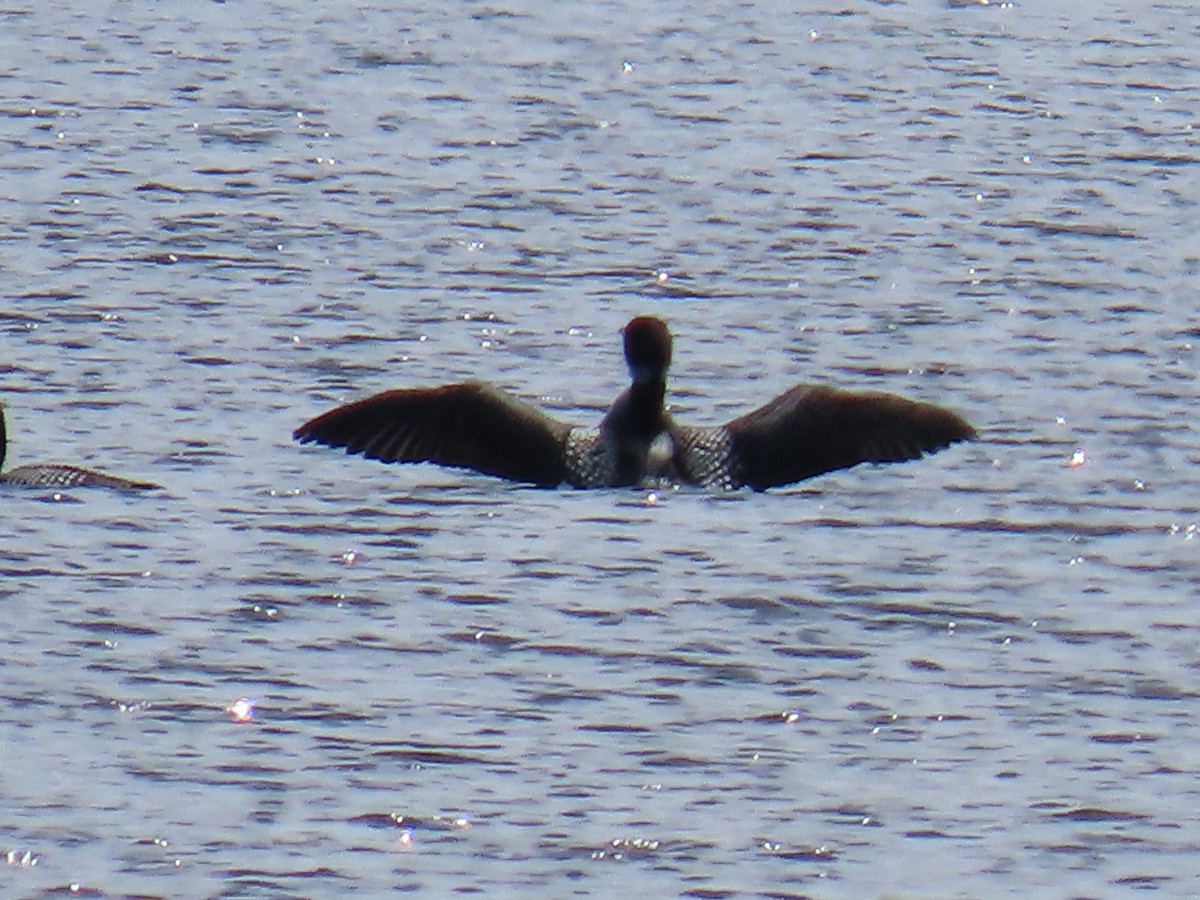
column 471, row 425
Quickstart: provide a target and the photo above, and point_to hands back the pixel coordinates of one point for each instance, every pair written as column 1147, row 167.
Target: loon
column 806, row 431
column 54, row 475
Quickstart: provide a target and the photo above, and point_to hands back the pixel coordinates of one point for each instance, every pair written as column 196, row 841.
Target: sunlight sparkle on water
column 242, row 710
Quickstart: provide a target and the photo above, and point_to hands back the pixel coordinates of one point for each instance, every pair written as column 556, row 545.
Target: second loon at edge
column 60, row 476
column 806, row 431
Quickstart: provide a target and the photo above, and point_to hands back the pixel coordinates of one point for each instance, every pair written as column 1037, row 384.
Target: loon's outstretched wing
column 810, row 430
column 471, row 425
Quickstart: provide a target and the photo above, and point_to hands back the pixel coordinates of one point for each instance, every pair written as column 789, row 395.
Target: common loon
column 54, row 475
column 803, row 432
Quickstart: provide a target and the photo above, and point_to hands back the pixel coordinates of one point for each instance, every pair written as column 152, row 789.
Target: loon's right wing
column 471, row 425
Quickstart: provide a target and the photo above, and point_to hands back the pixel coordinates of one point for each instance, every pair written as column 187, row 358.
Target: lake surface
column 974, row 675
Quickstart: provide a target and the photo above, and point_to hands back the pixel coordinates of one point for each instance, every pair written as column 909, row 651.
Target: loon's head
column 647, row 348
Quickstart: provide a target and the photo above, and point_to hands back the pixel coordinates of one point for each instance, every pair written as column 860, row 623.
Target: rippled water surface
column 974, row 675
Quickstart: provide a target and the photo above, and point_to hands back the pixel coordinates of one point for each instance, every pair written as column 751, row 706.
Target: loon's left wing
column 471, row 425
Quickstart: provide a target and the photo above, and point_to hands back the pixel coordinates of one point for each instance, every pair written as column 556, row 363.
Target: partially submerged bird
column 803, row 432
column 54, row 475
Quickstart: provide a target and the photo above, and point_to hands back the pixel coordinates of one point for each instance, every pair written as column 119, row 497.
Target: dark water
column 972, row 676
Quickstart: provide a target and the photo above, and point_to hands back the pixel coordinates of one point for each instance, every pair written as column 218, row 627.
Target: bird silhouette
column 805, row 431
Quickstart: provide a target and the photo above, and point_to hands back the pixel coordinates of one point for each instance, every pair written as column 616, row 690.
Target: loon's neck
column 638, row 413
column 631, row 426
